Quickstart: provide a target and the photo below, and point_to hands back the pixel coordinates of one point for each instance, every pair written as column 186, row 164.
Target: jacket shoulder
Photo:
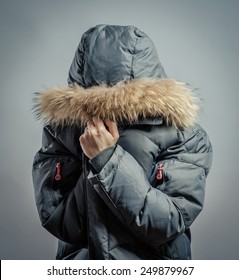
column 192, row 146
column 195, row 139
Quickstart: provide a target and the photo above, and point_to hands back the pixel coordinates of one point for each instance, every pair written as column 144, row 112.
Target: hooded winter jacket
column 136, row 200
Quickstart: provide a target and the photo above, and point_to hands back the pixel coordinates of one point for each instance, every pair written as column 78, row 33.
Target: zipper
column 58, row 171
column 159, row 175
column 86, row 203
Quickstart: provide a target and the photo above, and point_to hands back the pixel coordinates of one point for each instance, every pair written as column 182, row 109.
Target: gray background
column 197, row 42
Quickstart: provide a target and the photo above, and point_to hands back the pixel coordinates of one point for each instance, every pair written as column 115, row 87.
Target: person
column 122, row 169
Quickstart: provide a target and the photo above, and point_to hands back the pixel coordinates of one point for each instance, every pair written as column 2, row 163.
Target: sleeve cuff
column 100, row 160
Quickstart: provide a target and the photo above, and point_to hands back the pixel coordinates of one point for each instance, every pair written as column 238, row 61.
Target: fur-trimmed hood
column 123, row 102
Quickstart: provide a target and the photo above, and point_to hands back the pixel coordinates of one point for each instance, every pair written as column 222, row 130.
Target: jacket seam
column 56, row 137
column 131, row 68
column 193, row 163
column 113, row 203
column 181, row 212
column 63, row 157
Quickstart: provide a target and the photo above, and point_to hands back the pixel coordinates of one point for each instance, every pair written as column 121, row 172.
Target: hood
column 124, row 102
column 108, row 54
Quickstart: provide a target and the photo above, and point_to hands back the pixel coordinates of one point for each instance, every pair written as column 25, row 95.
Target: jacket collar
column 148, row 121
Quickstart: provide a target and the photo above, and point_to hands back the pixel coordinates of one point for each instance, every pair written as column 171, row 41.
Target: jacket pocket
column 53, row 181
column 65, row 174
column 158, row 177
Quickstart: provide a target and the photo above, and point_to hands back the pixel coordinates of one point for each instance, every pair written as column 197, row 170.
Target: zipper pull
column 58, row 171
column 160, row 172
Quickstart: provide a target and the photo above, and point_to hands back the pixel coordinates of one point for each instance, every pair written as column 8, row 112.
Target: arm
column 157, row 214
column 60, row 201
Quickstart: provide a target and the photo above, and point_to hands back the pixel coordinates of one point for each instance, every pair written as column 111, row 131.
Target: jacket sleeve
column 59, row 200
column 157, row 214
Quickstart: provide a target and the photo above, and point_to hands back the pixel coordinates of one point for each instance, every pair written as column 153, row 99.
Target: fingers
column 97, row 127
column 113, row 129
column 98, row 135
column 91, row 127
column 82, row 139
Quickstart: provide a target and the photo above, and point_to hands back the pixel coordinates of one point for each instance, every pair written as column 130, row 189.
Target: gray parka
column 136, row 200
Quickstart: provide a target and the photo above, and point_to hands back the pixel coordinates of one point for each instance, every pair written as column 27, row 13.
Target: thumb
column 113, row 129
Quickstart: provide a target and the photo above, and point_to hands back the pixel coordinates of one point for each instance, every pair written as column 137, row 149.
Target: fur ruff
column 130, row 101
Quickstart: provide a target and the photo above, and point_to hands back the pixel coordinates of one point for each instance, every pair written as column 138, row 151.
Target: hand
column 96, row 137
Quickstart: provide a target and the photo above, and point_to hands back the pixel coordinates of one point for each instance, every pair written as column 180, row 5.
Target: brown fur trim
column 144, row 98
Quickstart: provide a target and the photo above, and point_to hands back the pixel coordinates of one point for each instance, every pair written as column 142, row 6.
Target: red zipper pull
column 58, row 171
column 160, row 172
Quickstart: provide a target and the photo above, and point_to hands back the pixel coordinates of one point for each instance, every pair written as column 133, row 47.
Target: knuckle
column 93, row 131
column 101, row 129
